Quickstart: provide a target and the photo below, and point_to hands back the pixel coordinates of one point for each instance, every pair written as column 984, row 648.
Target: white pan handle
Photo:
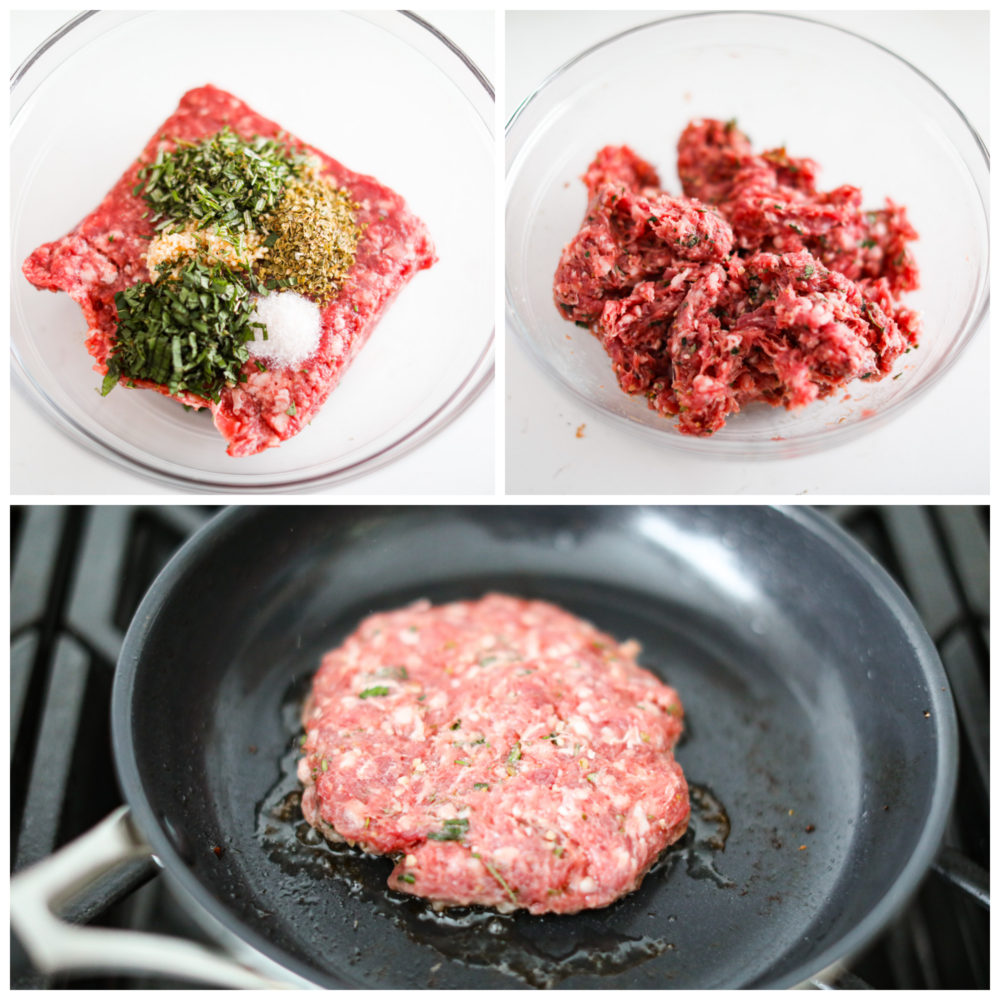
column 52, row 945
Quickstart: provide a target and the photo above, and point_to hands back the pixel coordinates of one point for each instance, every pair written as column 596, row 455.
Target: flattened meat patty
column 506, row 752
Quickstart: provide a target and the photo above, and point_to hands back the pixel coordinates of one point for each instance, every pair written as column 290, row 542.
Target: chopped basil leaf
column 188, row 333
column 374, row 692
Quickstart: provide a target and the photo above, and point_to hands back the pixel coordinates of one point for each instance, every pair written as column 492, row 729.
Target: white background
column 929, row 449
column 458, row 460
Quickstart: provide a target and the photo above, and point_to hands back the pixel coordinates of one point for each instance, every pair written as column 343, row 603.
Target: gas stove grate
column 78, row 575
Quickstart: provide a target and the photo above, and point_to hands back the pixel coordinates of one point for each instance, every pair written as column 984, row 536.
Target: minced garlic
column 205, row 244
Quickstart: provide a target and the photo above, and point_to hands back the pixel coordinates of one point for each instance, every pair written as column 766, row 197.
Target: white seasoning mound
column 293, row 328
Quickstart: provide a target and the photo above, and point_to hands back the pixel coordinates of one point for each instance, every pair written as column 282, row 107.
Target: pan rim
column 946, row 778
column 225, row 924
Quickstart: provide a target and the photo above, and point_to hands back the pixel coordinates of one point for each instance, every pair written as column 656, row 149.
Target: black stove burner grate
column 78, row 575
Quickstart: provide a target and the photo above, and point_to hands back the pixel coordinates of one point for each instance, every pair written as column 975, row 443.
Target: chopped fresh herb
column 457, row 724
column 586, row 326
column 673, row 709
column 302, row 742
column 867, row 244
column 291, row 410
column 591, row 778
column 326, row 764
column 558, row 851
column 652, row 220
column 506, row 888
column 222, row 180
column 515, row 754
column 866, row 375
column 260, row 366
column 808, row 272
column 408, row 878
column 894, row 377
column 452, row 829
column 551, row 736
column 586, row 253
column 188, row 333
column 480, row 786
column 374, row 692
column 735, row 350
column 797, row 228
column 463, row 763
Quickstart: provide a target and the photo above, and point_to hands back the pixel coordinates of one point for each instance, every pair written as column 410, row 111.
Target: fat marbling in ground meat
column 506, row 752
column 753, row 286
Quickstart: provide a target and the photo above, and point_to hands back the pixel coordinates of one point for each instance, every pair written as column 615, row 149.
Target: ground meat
column 619, row 166
column 104, row 255
column 753, row 287
column 508, row 753
column 625, row 238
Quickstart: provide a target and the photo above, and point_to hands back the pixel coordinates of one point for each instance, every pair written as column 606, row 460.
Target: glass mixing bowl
column 868, row 117
column 382, row 92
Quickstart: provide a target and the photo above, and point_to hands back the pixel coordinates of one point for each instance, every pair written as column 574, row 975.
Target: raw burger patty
column 104, row 255
column 508, row 753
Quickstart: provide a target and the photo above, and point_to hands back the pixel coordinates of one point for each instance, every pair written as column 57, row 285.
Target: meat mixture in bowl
column 752, row 286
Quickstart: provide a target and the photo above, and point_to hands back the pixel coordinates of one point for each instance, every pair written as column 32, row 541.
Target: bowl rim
column 461, row 397
column 813, row 441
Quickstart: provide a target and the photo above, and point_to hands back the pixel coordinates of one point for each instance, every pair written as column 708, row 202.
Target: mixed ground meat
column 752, row 286
column 505, row 752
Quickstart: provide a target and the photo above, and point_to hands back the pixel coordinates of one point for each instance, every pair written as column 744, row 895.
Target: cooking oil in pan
column 539, row 950
column 707, row 833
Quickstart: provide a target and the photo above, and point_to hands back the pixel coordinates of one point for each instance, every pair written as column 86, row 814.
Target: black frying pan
column 813, row 698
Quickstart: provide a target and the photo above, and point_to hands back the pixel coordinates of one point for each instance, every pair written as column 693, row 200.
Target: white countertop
column 458, row 460
column 920, row 452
